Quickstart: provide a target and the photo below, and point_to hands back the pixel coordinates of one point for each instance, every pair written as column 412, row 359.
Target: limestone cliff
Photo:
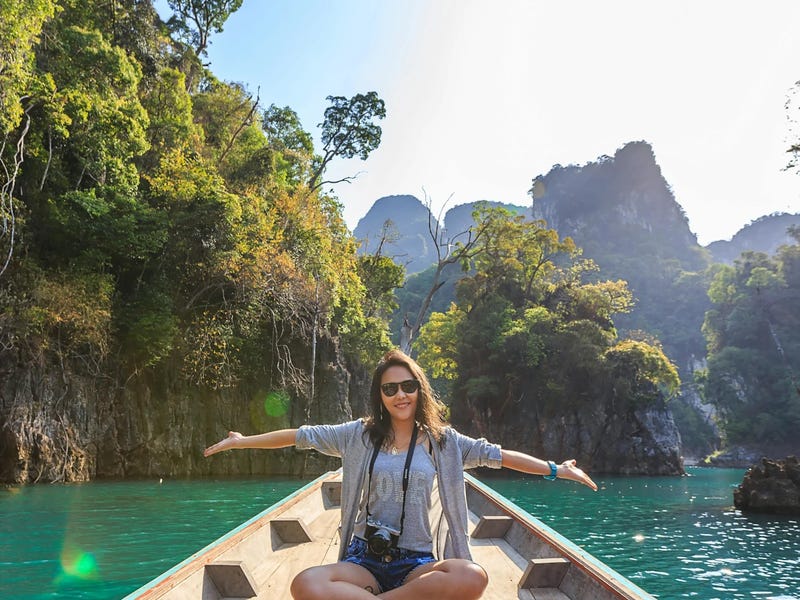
column 636, row 442
column 69, row 426
column 60, row 424
column 404, row 222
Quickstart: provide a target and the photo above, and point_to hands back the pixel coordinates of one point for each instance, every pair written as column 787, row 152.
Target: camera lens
column 379, row 542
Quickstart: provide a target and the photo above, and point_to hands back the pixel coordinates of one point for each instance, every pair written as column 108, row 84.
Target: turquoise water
column 676, row 537
column 103, row 540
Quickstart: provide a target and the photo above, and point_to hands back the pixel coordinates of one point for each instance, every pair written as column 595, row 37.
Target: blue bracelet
column 553, row 471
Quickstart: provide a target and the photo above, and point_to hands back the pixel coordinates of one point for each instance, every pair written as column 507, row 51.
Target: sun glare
column 77, row 563
column 276, row 403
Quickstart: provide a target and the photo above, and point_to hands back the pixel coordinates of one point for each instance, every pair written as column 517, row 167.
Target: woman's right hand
column 228, row 443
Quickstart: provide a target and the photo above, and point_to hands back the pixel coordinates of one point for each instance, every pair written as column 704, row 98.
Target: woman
column 390, row 463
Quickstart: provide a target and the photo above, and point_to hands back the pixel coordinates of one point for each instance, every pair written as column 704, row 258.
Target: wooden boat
column 524, row 558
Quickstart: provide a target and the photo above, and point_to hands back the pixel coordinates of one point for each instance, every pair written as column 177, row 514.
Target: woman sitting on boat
column 391, row 462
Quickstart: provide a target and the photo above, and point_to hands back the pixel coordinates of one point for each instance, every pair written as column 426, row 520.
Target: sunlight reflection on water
column 676, row 537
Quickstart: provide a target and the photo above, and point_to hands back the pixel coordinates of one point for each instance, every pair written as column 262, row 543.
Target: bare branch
column 247, row 121
column 348, row 179
column 8, row 188
column 447, row 253
column 49, row 157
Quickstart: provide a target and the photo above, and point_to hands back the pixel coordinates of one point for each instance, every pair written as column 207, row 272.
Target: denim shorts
column 390, row 574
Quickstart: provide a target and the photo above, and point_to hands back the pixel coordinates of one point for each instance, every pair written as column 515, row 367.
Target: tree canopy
column 753, row 334
column 164, row 219
column 527, row 334
column 196, row 20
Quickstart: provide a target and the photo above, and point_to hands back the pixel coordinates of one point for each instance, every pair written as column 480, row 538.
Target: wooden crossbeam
column 290, row 531
column 492, row 526
column 544, row 573
column 232, row 579
column 332, row 491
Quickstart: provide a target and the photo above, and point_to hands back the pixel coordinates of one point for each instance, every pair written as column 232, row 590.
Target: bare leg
column 452, row 579
column 339, row 581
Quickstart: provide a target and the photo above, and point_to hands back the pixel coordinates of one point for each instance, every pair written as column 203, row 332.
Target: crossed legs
column 339, row 581
column 454, row 579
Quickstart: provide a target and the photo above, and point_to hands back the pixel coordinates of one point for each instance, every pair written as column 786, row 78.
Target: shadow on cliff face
column 9, row 453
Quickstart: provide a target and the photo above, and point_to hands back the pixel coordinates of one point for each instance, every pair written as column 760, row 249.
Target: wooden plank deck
column 268, row 551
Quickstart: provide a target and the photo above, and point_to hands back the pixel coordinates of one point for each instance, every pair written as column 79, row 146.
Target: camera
column 380, row 538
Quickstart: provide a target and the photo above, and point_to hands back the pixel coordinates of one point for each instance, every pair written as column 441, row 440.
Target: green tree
column 348, row 130
column 641, row 372
column 21, row 23
column 527, row 335
column 284, row 131
column 381, row 277
column 754, row 349
column 228, row 117
column 290, row 146
column 196, row 20
column 170, row 110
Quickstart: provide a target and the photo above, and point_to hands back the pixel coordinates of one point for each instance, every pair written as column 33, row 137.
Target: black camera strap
column 406, row 474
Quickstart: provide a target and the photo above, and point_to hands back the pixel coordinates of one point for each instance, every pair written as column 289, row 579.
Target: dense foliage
column 753, row 333
column 526, row 329
column 156, row 217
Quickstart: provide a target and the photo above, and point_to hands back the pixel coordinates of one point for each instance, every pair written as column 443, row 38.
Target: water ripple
column 675, row 537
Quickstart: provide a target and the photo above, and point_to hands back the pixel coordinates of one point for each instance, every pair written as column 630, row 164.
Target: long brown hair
column 430, row 411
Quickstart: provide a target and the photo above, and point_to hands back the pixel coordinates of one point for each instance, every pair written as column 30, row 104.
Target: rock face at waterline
column 58, row 424
column 634, row 442
column 62, row 425
column 735, row 457
column 773, row 486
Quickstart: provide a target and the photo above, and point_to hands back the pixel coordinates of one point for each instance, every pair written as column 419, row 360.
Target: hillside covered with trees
column 622, row 215
column 529, row 352
column 170, row 264
column 753, row 332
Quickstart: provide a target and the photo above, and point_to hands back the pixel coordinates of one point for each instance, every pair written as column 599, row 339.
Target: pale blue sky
column 482, row 96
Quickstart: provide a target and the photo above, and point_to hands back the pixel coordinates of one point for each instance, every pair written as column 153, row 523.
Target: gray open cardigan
column 458, row 452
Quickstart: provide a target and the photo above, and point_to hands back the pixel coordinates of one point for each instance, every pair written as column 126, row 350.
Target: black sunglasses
column 409, row 386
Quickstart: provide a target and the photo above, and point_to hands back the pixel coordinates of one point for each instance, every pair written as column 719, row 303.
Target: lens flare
column 276, row 403
column 77, row 563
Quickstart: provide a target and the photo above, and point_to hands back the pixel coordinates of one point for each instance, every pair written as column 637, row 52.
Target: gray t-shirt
column 386, row 497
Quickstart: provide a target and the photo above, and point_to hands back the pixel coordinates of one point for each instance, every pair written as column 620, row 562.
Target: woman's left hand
column 569, row 470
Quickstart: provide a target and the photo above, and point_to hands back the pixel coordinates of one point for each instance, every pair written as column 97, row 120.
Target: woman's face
column 402, row 404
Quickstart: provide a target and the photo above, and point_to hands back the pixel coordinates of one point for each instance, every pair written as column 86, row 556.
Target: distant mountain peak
column 409, row 219
column 765, row 234
column 625, row 194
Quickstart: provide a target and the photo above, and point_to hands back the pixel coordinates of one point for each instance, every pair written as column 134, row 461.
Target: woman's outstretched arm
column 235, row 440
column 525, row 463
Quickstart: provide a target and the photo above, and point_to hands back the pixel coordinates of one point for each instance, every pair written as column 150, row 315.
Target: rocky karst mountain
column 400, row 224
column 622, row 212
column 618, row 206
column 765, row 234
column 404, row 223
